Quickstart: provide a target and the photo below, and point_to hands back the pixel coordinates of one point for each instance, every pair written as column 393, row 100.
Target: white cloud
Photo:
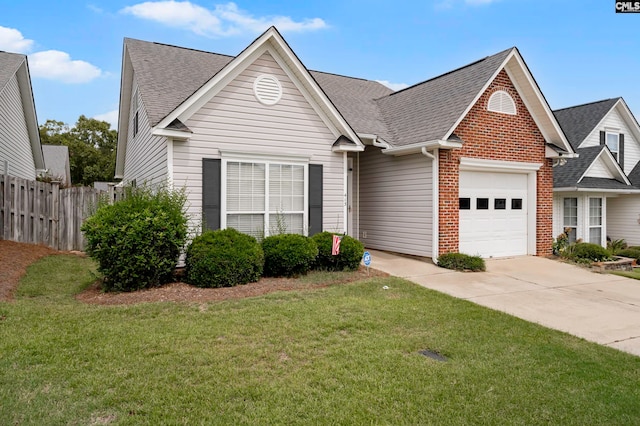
column 57, row 65
column 12, row 40
column 110, row 117
column 393, row 86
column 224, row 20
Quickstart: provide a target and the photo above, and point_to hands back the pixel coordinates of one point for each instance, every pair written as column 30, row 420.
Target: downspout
column 357, row 236
column 345, row 212
column 435, row 233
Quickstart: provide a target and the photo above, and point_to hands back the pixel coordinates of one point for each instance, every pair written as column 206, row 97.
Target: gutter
column 423, row 147
column 603, row 190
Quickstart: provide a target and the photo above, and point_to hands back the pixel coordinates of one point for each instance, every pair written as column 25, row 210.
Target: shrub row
column 461, row 262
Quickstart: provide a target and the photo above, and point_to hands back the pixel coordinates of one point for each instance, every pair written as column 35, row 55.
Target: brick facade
column 495, row 136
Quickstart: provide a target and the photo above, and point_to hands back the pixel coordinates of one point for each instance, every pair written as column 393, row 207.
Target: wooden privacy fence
column 43, row 213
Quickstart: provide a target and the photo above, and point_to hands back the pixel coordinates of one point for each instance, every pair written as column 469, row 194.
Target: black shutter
column 621, row 151
column 603, row 137
column 211, row 182
column 315, row 198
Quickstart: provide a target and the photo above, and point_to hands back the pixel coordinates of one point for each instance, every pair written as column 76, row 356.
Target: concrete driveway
column 601, row 308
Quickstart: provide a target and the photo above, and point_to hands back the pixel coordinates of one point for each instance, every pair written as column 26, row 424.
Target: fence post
column 55, row 215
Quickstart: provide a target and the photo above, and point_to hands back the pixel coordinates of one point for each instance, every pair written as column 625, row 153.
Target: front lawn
column 345, row 354
column 635, row 274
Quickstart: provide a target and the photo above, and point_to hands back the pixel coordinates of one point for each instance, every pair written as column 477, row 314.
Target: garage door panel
column 494, row 232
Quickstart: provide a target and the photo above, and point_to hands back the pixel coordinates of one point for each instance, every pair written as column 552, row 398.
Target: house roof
column 56, row 160
column 428, row 110
column 569, row 174
column 604, row 183
column 578, row 121
column 17, row 64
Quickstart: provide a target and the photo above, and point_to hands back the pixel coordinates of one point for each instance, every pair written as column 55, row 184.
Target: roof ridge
column 451, row 71
column 345, row 76
column 180, row 47
column 587, row 103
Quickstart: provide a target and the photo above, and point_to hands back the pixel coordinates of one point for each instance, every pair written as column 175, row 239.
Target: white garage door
column 493, row 213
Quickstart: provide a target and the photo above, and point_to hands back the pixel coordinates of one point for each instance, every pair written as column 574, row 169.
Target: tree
column 92, row 148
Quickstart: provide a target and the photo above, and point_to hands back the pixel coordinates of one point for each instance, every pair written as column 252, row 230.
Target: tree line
column 92, row 148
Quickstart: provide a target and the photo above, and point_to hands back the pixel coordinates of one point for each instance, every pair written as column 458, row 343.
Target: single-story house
column 20, row 150
column 597, row 195
column 460, row 162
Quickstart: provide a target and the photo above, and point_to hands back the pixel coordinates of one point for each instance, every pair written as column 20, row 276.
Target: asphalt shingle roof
column 428, row 110
column 578, row 121
column 56, row 160
column 603, row 183
column 569, row 174
column 9, row 64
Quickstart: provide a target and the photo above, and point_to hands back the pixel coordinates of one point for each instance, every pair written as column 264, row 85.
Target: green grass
column 635, row 274
column 346, row 354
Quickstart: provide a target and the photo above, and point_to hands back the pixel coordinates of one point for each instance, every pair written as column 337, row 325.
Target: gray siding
column 235, row 120
column 15, row 146
column 396, row 202
column 146, row 156
column 623, row 214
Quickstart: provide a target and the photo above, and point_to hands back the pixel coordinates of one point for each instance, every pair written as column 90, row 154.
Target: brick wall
column 494, row 136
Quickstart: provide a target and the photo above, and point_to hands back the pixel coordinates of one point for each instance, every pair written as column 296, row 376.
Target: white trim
column 173, row 134
column 435, row 170
column 345, row 188
column 417, row 147
column 347, row 148
column 481, row 165
column 170, row 161
column 611, row 191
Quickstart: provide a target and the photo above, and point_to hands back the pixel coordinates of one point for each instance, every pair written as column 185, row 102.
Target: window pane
column 570, row 212
column 280, row 223
column 516, row 204
column 286, row 188
column 245, row 187
column 595, row 211
column 252, row 224
column 465, row 203
column 612, row 142
column 482, row 204
column 500, row 203
column 595, row 235
column 572, row 234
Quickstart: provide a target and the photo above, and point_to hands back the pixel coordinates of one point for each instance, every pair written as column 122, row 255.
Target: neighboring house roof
column 580, row 120
column 56, row 159
column 17, row 64
column 573, row 173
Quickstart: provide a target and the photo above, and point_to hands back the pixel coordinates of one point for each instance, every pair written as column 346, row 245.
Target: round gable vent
column 267, row 89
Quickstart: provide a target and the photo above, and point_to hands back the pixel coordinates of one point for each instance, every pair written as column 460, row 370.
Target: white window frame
column 267, row 160
column 600, row 226
column 574, row 236
column 616, row 152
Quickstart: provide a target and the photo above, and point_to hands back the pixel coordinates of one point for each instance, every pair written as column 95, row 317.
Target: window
column 595, row 220
column 501, row 102
column 570, row 222
column 613, row 142
column 500, row 203
column 264, row 198
column 516, row 204
column 465, row 203
column 482, row 204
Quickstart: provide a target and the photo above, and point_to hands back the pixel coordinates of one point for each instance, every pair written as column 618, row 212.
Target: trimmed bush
column 137, row 241
column 632, row 253
column 223, row 258
column 351, row 251
column 461, row 262
column 589, row 251
column 288, row 255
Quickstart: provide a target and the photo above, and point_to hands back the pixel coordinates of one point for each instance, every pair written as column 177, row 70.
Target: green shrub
column 633, row 253
column 589, row 252
column 615, row 246
column 223, row 258
column 137, row 240
column 288, row 255
column 461, row 262
column 351, row 251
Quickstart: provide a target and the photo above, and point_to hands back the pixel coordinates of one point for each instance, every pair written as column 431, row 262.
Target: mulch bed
column 16, row 257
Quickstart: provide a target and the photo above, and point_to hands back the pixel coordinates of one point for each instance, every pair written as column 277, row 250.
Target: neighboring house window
column 613, row 143
column 502, row 102
column 571, row 218
column 595, row 220
column 135, row 115
column 265, row 198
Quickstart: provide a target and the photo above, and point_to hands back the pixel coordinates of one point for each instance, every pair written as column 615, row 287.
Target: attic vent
column 267, row 89
column 502, row 102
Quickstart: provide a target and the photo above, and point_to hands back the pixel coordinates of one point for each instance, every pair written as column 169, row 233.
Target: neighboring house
column 20, row 148
column 56, row 160
column 597, row 195
column 461, row 162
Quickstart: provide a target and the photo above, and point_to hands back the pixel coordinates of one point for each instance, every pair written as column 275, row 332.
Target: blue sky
column 578, row 51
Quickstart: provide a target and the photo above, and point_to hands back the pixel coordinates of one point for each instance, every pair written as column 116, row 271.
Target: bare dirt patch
column 16, row 257
column 14, row 260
